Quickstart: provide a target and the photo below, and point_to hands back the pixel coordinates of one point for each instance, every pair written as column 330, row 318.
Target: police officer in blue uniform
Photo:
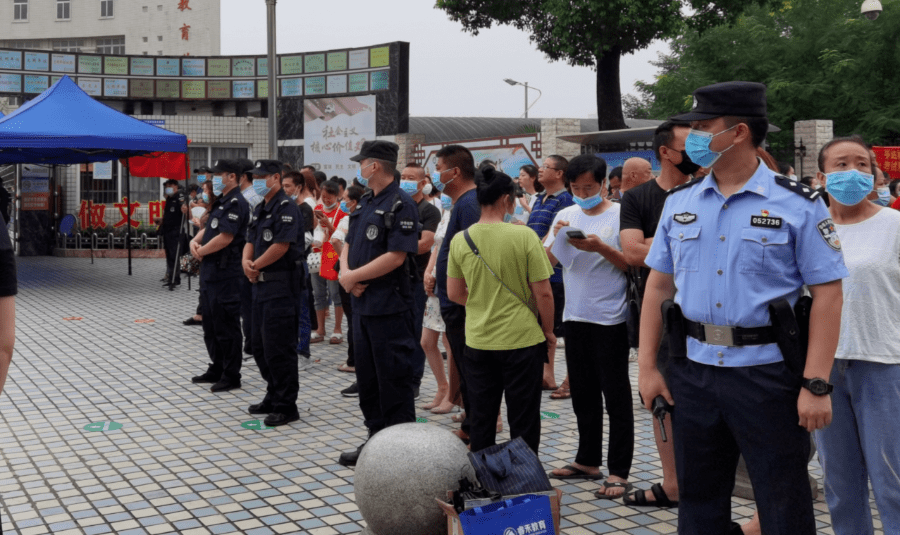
column 172, row 227
column 219, row 247
column 376, row 269
column 727, row 247
column 272, row 262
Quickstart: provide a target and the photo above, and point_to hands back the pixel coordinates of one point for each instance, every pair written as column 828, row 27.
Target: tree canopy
column 595, row 33
column 820, row 59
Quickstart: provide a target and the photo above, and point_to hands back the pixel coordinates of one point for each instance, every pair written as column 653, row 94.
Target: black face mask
column 686, row 167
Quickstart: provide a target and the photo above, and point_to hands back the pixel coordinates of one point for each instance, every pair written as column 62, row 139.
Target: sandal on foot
column 458, row 418
column 562, row 392
column 613, row 485
column 315, row 338
column 336, row 338
column 639, row 498
column 346, row 369
column 577, row 473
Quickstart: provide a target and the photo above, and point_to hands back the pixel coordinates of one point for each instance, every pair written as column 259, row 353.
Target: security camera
column 871, row 9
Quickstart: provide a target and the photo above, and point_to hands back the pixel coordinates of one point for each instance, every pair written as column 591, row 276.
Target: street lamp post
column 527, row 107
column 273, row 83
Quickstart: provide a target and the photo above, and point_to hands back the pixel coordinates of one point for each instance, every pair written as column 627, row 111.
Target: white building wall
column 135, row 19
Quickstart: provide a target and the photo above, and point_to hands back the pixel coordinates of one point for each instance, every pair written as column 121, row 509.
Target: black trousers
column 722, row 413
column 220, row 305
column 559, row 304
column 455, row 324
column 347, row 305
column 247, row 312
column 384, row 368
column 274, row 340
column 597, row 362
column 170, row 242
column 420, row 298
column 518, row 374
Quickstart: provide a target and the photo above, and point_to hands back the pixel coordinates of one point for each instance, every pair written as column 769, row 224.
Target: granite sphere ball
column 400, row 472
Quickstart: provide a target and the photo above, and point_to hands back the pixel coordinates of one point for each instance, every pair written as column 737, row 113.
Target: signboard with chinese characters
column 291, row 87
column 63, row 63
column 35, row 187
column 90, row 64
column 10, row 59
column 193, row 67
column 292, row 65
column 219, row 66
column 167, row 67
column 103, row 171
column 11, row 83
column 91, row 86
column 335, row 129
column 113, row 87
column 888, row 159
column 37, row 61
column 243, row 89
column 142, row 66
column 115, row 65
column 242, row 67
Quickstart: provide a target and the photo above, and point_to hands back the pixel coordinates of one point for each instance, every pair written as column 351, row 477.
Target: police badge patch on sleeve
column 829, row 233
column 372, row 232
column 233, row 217
column 214, row 223
column 267, row 235
column 287, row 219
column 406, row 225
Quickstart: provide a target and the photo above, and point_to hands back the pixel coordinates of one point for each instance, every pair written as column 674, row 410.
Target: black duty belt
column 730, row 336
column 272, row 276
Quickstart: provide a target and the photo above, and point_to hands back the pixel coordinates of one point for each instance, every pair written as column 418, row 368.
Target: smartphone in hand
column 576, row 234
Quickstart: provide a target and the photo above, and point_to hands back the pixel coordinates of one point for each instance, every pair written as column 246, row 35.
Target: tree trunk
column 609, row 92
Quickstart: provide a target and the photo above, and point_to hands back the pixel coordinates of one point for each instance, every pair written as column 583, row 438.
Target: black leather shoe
column 205, row 378
column 192, row 321
column 164, row 279
column 259, row 408
column 224, row 386
column 276, row 418
column 351, row 391
column 349, row 458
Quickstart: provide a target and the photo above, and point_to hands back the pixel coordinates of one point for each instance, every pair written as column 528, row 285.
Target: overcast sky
column 452, row 73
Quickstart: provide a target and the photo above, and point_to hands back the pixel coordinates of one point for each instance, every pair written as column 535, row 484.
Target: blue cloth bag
column 510, row 468
column 527, row 514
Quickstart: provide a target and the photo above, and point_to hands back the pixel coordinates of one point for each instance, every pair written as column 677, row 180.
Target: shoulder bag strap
column 474, row 249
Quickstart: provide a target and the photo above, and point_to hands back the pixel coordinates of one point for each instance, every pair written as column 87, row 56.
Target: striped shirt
column 252, row 197
column 542, row 215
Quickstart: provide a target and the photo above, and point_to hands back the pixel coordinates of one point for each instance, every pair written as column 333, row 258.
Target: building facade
column 134, row 27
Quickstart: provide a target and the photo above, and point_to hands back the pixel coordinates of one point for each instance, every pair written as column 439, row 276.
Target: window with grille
column 20, row 9
column 106, row 8
column 111, row 45
column 62, row 9
column 68, row 45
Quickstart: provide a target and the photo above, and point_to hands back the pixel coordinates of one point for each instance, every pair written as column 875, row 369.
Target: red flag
column 172, row 165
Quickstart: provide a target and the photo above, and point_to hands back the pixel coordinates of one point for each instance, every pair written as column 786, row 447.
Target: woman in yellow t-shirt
column 505, row 288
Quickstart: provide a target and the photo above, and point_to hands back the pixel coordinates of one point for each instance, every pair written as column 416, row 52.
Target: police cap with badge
column 267, row 167
column 227, row 167
column 379, row 150
column 728, row 99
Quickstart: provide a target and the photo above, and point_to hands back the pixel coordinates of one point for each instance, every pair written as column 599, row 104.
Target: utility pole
column 273, row 83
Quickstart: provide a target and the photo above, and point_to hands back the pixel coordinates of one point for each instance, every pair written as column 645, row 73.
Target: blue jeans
column 862, row 443
column 304, row 330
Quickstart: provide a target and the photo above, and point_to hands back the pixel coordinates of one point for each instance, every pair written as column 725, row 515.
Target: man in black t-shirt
column 414, row 182
column 641, row 209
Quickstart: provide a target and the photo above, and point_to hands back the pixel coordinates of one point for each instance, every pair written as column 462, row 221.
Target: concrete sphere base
column 400, row 472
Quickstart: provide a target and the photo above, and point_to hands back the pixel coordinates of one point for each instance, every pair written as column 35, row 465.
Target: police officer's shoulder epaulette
column 285, row 202
column 798, row 187
column 234, row 200
column 689, row 184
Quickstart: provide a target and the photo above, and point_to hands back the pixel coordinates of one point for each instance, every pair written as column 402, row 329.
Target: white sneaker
column 632, row 354
column 560, row 342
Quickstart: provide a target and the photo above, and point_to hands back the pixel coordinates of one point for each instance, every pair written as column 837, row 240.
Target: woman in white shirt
column 594, row 318
column 860, row 446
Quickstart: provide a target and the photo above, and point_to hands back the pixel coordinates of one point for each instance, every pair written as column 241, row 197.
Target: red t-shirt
column 329, row 255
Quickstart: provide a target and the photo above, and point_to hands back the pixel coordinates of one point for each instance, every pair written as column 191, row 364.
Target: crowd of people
column 695, row 267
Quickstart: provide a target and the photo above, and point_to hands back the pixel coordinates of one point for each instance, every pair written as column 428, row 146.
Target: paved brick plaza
column 181, row 462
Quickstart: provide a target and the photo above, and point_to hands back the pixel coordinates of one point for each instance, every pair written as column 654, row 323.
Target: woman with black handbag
column 501, row 274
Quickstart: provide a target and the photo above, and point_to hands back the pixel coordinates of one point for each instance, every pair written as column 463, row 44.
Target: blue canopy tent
column 64, row 126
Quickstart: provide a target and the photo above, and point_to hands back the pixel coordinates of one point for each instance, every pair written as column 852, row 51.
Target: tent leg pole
column 128, row 215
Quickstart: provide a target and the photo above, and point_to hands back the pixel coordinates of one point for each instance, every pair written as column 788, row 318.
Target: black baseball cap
column 380, row 150
column 202, row 170
column 226, row 166
column 246, row 165
column 732, row 99
column 267, row 167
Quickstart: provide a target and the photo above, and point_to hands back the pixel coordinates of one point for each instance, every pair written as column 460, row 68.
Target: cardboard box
column 454, row 527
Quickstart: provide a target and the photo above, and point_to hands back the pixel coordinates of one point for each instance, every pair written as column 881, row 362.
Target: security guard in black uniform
column 218, row 247
column 377, row 269
column 171, row 229
column 272, row 262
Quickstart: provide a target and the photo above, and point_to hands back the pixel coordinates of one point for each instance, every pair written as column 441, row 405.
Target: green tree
column 595, row 33
column 820, row 59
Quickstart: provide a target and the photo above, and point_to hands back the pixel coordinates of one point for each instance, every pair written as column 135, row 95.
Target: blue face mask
column 409, row 186
column 218, row 186
column 849, row 187
column 205, row 198
column 169, row 191
column 364, row 182
column 884, row 196
column 697, row 147
column 436, row 180
column 344, row 207
column 446, row 202
column 259, row 186
column 588, row 203
column 294, row 197
column 201, row 179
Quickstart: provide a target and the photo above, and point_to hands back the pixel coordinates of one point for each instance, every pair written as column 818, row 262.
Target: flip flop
column 347, row 369
column 315, row 338
column 336, row 338
column 640, row 498
column 562, row 392
column 577, row 473
column 613, row 484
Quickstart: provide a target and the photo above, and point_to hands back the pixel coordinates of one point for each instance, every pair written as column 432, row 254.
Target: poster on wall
column 103, row 171
column 11, row 83
column 63, row 63
column 335, row 129
column 10, row 59
column 37, row 61
column 91, row 86
column 35, row 187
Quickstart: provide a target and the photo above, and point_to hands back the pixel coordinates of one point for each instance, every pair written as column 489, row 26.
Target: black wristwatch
column 819, row 387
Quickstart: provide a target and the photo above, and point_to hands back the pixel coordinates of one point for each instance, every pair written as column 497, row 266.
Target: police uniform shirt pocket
column 765, row 250
column 684, row 241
